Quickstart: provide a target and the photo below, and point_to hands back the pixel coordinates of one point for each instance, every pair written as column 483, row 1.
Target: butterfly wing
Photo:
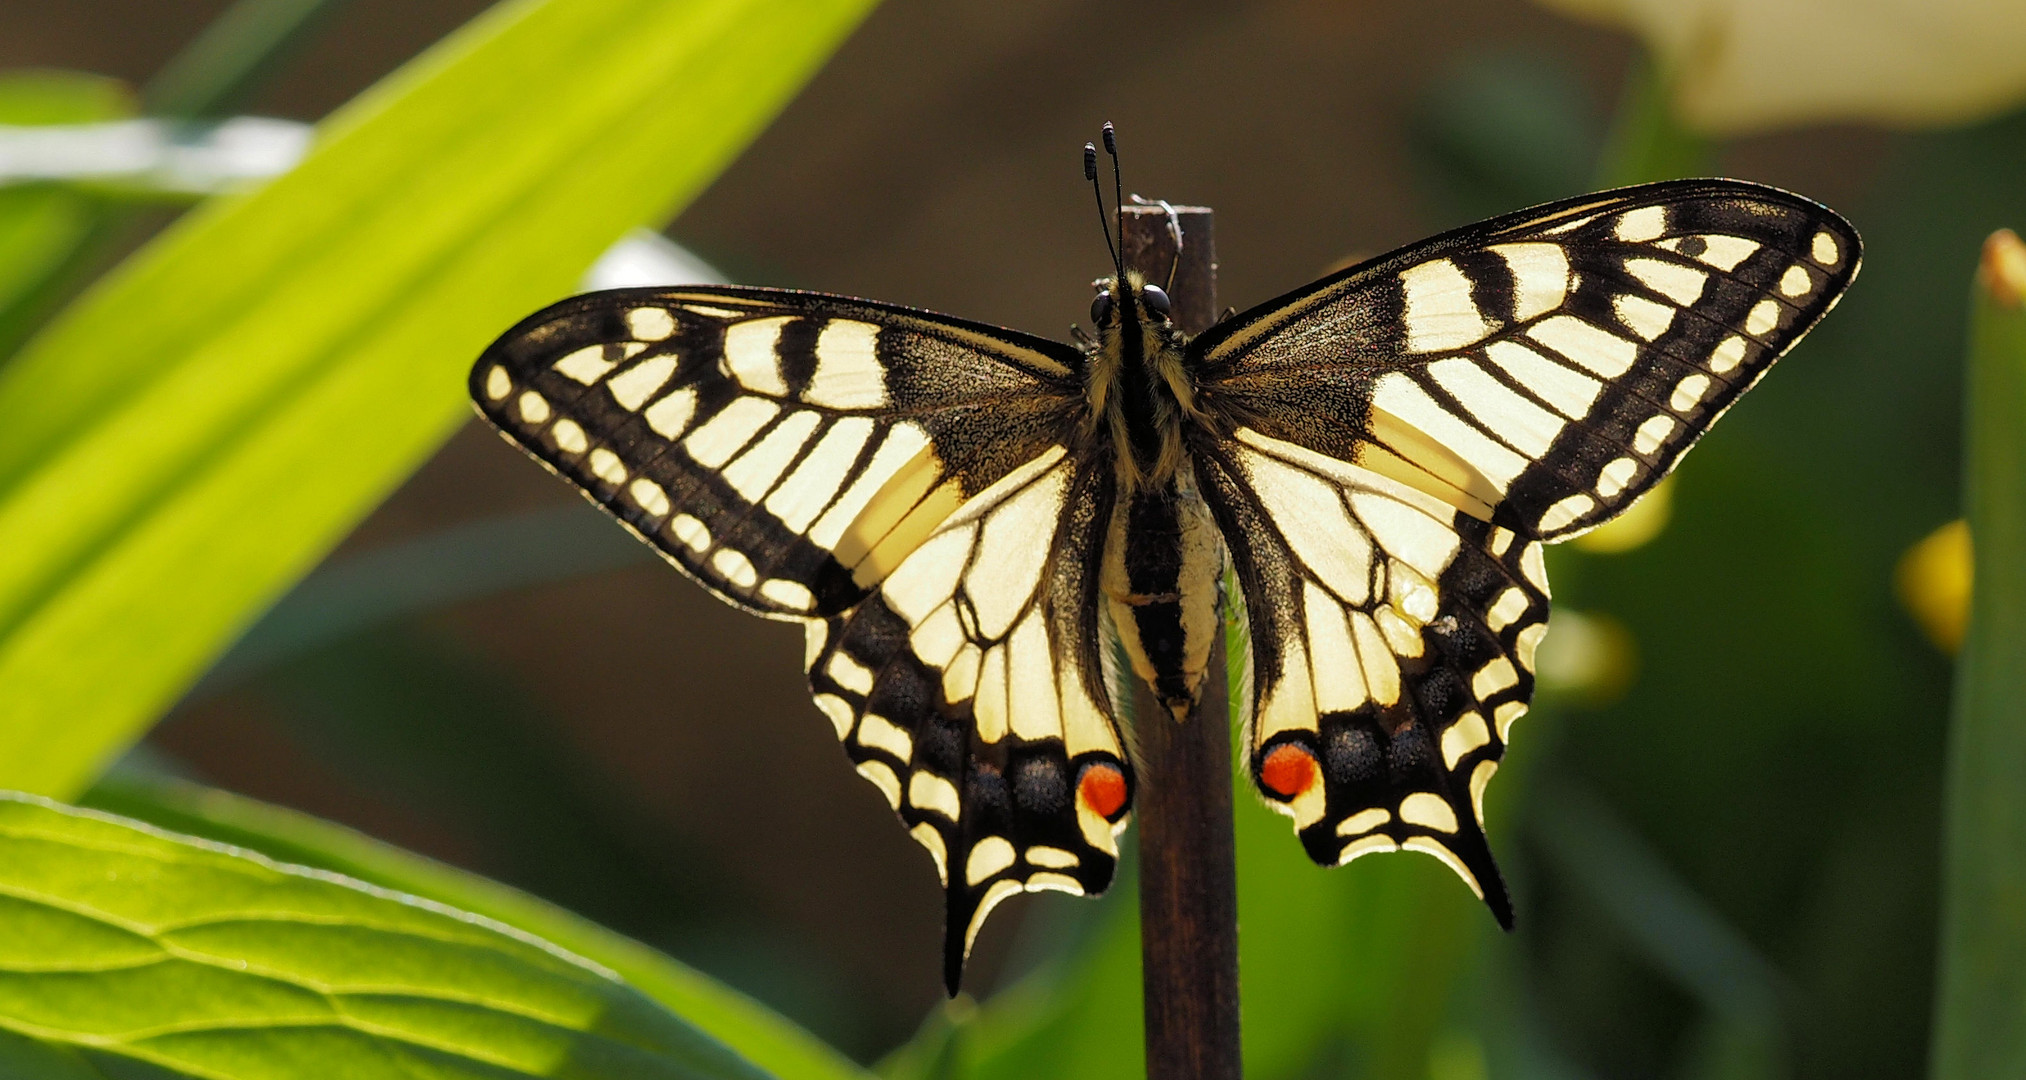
column 895, row 480
column 1407, row 432
column 1392, row 647
column 786, row 449
column 969, row 690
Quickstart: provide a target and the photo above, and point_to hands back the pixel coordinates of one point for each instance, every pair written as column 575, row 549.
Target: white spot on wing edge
column 995, row 892
column 1479, row 777
column 1366, row 845
column 1532, row 565
column 1657, row 429
column 1613, row 477
column 1430, row 846
column 1688, row 392
column 498, row 384
column 736, row 568
column 1727, row 355
column 882, row 778
column 988, row 856
column 792, row 595
column 837, row 710
column 1764, row 316
column 1428, row 810
column 927, row 791
column 648, row 496
column 534, row 407
column 930, row 837
column 1364, row 821
column 1053, row 858
column 690, row 532
column 606, row 466
column 569, row 436
column 1825, row 249
column 1566, row 512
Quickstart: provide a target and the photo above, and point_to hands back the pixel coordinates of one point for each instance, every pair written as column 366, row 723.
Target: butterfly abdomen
column 1163, row 559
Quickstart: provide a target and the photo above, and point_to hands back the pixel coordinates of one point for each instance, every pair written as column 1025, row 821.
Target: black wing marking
column 1392, row 648
column 786, row 449
column 966, row 689
column 1543, row 369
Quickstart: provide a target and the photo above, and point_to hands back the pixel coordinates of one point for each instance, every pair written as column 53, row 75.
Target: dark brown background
column 934, row 162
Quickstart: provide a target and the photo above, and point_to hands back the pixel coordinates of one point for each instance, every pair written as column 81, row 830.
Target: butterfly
column 964, row 517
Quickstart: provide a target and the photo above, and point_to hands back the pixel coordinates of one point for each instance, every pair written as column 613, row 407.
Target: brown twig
column 1188, row 867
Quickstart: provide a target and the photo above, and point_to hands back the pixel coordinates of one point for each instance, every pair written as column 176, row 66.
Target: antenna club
column 1111, row 139
column 1090, row 161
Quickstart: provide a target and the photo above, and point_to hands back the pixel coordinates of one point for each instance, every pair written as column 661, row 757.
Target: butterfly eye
column 1156, row 300
column 1100, row 309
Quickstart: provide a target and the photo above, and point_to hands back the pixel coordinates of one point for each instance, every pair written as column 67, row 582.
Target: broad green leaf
column 1980, row 1019
column 761, row 1036
column 196, row 432
column 125, row 944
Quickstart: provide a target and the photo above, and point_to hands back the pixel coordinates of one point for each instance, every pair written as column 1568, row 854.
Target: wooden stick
column 1188, row 867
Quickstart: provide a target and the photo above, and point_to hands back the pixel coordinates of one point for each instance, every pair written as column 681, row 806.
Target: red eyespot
column 1288, row 770
column 1103, row 789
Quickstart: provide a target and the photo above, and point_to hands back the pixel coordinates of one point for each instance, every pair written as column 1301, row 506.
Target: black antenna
column 1111, row 146
column 1090, row 174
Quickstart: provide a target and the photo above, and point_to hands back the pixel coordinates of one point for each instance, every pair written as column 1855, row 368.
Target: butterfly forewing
column 787, row 449
column 1544, row 369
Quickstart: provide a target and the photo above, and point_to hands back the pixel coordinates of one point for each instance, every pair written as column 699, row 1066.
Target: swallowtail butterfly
column 962, row 516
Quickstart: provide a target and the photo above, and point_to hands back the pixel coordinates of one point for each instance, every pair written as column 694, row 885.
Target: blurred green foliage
column 202, row 426
column 1728, row 872
column 1980, row 1019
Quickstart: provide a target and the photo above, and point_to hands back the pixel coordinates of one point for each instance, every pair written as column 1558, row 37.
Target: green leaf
column 123, row 943
column 763, row 1037
column 1980, row 1022
column 204, row 425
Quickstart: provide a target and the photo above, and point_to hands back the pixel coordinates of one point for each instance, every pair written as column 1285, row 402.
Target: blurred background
column 1722, row 820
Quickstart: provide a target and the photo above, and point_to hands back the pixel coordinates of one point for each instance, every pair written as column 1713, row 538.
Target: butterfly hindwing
column 1392, row 640
column 965, row 689
column 786, row 449
column 1544, row 369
